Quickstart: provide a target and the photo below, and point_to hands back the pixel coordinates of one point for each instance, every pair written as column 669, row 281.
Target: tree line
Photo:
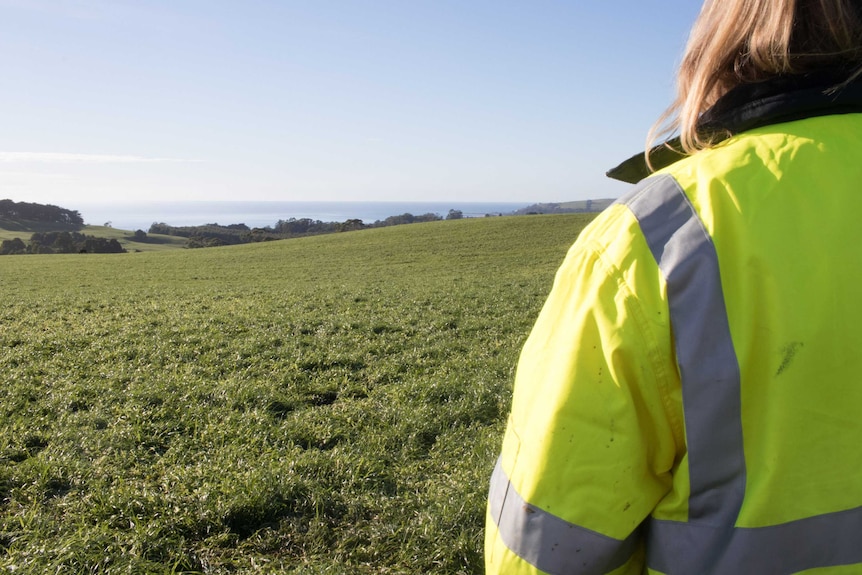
column 60, row 243
column 210, row 235
column 32, row 212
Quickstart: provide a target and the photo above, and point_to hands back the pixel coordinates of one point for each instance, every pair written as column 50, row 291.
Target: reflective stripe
column 711, row 387
column 547, row 542
column 820, row 541
column 705, row 355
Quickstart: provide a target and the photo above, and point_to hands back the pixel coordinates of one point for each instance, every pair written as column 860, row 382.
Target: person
column 689, row 400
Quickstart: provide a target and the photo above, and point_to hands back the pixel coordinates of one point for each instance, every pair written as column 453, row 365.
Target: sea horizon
column 259, row 214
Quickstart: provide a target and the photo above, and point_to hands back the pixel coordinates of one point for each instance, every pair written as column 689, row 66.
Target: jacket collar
column 749, row 106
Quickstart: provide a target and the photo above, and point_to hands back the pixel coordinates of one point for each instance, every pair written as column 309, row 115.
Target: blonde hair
column 736, row 42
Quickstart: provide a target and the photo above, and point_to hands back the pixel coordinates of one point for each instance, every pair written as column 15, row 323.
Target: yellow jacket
column 690, row 398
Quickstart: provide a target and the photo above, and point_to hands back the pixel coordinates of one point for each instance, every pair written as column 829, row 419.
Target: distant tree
column 351, row 225
column 13, row 247
column 40, row 243
column 64, row 243
column 454, row 215
column 405, row 218
column 204, row 242
column 293, row 226
column 260, row 235
column 39, row 213
column 140, row 236
column 72, row 243
column 428, row 217
column 304, row 227
column 94, row 245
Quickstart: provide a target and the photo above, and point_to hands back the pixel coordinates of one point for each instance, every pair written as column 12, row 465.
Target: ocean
column 140, row 216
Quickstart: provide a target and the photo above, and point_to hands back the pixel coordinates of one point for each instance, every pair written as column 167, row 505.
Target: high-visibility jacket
column 690, row 398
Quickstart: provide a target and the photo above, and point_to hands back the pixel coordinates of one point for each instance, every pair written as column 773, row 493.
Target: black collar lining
column 784, row 99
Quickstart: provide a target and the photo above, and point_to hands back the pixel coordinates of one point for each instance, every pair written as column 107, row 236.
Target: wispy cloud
column 66, row 158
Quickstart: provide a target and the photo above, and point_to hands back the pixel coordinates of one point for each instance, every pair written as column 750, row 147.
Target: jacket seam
column 646, row 334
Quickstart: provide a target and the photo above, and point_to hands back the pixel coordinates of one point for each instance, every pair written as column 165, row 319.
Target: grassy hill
column 331, row 404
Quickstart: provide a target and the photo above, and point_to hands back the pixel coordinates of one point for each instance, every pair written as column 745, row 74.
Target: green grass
column 331, row 404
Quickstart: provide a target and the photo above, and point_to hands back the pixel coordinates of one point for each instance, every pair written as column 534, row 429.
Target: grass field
column 331, row 404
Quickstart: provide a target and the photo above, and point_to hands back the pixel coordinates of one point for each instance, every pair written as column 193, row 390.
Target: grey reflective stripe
column 710, row 542
column 820, row 541
column 707, row 361
column 547, row 542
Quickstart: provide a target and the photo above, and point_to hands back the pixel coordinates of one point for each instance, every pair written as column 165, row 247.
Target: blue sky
column 470, row 100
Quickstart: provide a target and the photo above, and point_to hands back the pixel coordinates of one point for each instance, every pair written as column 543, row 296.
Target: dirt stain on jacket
column 788, row 353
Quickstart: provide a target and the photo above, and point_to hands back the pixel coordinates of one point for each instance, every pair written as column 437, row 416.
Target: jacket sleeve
column 594, row 430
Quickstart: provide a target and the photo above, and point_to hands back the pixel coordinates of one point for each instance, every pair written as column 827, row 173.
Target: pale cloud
column 66, row 158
